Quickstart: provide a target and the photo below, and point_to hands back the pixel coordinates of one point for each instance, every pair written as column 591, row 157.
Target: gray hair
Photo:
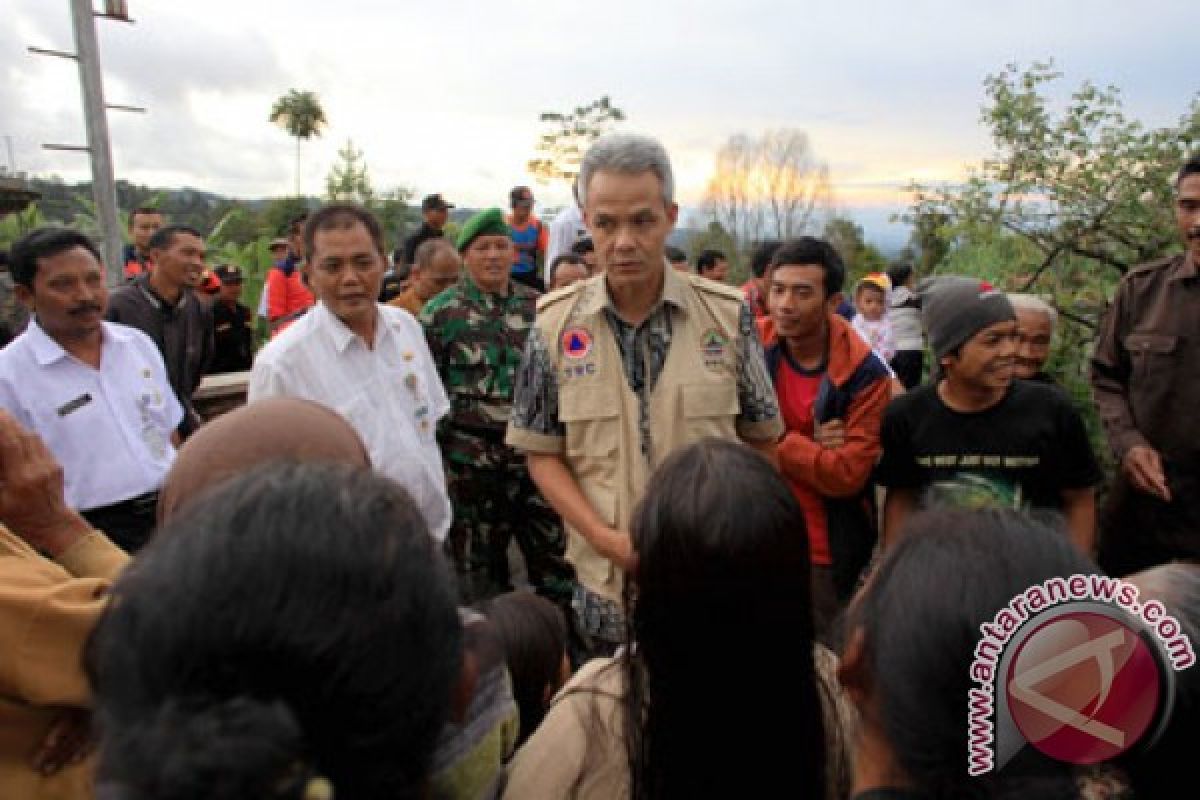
column 1031, row 302
column 628, row 153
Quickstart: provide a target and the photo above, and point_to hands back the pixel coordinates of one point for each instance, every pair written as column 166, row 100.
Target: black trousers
column 128, row 523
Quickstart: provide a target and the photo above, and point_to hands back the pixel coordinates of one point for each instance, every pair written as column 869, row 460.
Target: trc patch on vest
column 713, row 345
column 576, row 342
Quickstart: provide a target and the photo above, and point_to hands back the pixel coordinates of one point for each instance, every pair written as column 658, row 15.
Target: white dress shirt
column 111, row 427
column 565, row 230
column 391, row 394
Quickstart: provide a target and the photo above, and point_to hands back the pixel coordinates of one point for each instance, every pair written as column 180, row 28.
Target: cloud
column 445, row 97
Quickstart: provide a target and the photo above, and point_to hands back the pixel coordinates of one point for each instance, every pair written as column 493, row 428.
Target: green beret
column 485, row 223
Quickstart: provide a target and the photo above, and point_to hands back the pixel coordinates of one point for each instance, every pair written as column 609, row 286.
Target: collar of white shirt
column 47, row 351
column 340, row 333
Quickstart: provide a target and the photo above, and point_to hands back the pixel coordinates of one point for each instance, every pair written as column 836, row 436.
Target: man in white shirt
column 368, row 362
column 566, row 229
column 96, row 392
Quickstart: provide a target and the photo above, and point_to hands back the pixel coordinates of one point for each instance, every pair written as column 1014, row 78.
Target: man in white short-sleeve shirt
column 96, row 392
column 368, row 362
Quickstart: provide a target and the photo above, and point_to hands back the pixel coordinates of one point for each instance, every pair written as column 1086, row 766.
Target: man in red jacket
column 832, row 390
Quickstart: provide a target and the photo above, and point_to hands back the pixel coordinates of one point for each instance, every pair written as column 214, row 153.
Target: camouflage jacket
column 476, row 339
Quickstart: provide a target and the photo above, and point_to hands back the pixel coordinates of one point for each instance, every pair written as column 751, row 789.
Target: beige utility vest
column 695, row 397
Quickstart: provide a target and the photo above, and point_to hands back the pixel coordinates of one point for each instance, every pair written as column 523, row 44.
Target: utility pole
column 104, row 185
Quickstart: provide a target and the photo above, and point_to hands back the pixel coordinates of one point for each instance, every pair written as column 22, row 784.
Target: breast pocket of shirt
column 1151, row 354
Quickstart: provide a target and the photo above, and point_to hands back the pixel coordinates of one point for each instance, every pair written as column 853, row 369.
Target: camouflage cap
column 485, row 223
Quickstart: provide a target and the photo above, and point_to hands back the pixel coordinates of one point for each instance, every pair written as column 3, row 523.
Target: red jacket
column 856, row 388
column 287, row 297
column 844, row 471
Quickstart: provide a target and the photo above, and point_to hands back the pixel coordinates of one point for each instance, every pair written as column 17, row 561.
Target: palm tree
column 300, row 114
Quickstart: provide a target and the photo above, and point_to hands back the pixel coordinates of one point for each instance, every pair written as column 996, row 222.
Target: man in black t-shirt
column 977, row 438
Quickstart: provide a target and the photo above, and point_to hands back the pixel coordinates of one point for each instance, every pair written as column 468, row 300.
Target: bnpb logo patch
column 576, row 342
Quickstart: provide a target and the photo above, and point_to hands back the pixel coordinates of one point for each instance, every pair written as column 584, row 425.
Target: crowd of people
column 546, row 511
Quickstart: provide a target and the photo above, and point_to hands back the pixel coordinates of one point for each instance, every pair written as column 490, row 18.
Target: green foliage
column 860, row 258
column 239, row 225
column 348, row 181
column 14, row 226
column 1079, row 182
column 280, row 212
column 568, row 135
column 397, row 215
column 299, row 113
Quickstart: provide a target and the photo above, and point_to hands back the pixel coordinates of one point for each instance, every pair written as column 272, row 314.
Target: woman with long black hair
column 720, row 692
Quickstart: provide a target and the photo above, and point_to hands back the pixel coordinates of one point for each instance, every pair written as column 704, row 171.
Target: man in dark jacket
column 1146, row 378
column 233, row 333
column 163, row 305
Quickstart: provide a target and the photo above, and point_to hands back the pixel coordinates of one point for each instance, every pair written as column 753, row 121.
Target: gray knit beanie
column 954, row 308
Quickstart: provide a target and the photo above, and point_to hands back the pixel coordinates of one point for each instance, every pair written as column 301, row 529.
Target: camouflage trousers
column 492, row 507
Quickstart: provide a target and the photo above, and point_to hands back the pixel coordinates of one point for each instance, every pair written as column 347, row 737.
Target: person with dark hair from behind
column 533, row 633
column 910, row 641
column 832, row 390
column 144, row 222
column 712, row 264
column 482, row 731
column 565, row 270
column 904, row 313
column 163, row 304
column 755, row 287
column 97, row 392
column 677, row 258
column 720, row 572
column 1166, row 765
column 292, row 635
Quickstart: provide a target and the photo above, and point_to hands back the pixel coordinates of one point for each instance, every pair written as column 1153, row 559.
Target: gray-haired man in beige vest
column 624, row 368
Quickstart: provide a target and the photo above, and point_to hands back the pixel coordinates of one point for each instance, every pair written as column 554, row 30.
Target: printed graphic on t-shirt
column 974, row 491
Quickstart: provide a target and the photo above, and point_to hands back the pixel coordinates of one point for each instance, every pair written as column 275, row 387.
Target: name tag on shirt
column 74, row 405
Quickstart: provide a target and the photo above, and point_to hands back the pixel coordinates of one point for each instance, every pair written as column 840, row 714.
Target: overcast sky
column 445, row 96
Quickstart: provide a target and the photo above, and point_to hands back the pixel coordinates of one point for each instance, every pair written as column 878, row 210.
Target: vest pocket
column 710, row 409
column 590, row 414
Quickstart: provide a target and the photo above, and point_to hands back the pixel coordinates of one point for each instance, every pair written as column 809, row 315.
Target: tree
column 397, row 215
column 348, row 181
column 847, row 238
column 280, row 212
column 561, row 146
column 1089, row 188
column 300, row 114
column 767, row 187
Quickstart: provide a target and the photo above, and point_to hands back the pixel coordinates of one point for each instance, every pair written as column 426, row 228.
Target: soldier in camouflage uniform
column 476, row 331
